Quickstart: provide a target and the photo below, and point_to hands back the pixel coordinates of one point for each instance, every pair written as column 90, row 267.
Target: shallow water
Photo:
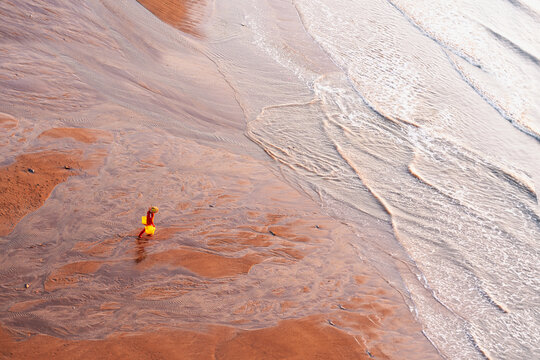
column 426, row 124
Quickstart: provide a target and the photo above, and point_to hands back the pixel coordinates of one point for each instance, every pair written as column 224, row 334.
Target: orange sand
column 101, row 249
column 22, row 306
column 68, row 275
column 185, row 15
column 7, row 121
column 203, row 263
column 24, row 192
column 87, row 136
column 307, row 338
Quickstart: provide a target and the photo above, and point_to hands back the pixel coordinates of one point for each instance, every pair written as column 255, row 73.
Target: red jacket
column 150, row 218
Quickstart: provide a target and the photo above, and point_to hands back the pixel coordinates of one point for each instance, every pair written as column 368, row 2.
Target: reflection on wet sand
column 141, row 244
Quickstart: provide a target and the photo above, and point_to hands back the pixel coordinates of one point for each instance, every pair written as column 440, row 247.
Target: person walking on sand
column 148, row 221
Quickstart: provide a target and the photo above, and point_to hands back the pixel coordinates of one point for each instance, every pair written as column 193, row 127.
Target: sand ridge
column 7, row 121
column 67, row 275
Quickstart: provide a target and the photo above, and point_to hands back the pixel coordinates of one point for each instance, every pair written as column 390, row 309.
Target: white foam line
column 441, row 43
column 488, row 100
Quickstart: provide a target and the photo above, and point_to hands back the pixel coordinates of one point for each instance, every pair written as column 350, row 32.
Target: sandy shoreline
column 242, row 265
column 291, row 339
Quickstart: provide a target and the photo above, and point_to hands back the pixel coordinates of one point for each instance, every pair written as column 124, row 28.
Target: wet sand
column 28, row 182
column 306, row 338
column 249, row 262
column 242, row 264
column 185, row 15
column 87, row 136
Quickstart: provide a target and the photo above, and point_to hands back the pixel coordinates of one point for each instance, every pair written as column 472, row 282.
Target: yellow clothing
column 149, row 229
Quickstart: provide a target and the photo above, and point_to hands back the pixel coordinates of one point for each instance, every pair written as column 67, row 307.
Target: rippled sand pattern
column 185, row 15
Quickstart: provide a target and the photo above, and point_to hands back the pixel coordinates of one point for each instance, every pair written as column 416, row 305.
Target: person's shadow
column 141, row 249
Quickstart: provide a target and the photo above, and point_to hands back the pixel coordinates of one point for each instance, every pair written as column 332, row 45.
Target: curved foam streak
column 471, row 60
column 512, row 45
column 494, row 103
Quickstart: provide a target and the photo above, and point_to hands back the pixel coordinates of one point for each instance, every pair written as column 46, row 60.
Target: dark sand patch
column 69, row 274
column 185, row 15
column 25, row 305
column 152, row 345
column 100, row 249
column 23, row 191
column 27, row 183
column 87, row 136
column 235, row 240
column 173, row 289
column 110, row 306
column 307, row 338
column 202, row 263
column 289, row 253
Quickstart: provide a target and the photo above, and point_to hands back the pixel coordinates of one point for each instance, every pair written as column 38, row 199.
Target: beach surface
column 112, row 107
